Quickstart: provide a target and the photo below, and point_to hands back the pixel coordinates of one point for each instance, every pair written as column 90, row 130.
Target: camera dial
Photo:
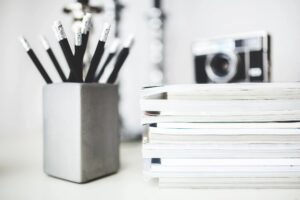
column 221, row 67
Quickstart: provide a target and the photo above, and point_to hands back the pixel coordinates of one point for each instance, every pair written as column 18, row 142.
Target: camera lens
column 221, row 67
column 220, row 64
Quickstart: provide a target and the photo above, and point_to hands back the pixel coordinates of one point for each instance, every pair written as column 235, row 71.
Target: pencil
column 78, row 55
column 112, row 52
column 97, row 54
column 120, row 60
column 85, row 30
column 35, row 59
column 50, row 53
column 65, row 46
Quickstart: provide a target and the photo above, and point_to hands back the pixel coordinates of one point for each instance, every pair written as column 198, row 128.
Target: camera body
column 240, row 58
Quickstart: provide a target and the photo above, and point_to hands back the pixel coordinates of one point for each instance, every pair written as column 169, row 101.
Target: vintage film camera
column 240, row 58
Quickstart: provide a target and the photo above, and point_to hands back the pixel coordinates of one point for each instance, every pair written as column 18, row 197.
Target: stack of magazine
column 244, row 135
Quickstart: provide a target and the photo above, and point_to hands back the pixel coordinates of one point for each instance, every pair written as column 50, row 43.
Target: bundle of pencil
column 75, row 59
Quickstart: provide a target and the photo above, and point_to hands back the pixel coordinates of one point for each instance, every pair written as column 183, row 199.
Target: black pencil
column 53, row 58
column 120, row 60
column 86, row 26
column 65, row 46
column 35, row 60
column 78, row 55
column 97, row 54
column 112, row 52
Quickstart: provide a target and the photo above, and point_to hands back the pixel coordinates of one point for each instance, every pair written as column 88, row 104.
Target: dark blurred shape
column 156, row 20
column 157, row 4
column 118, row 10
column 84, row 2
column 79, row 8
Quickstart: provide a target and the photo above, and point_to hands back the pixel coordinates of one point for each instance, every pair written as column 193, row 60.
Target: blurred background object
column 187, row 21
column 240, row 58
column 156, row 18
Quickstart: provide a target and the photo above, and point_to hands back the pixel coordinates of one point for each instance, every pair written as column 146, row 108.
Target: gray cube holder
column 81, row 130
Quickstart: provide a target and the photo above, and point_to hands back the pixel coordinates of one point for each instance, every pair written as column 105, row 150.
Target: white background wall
column 193, row 19
column 21, row 85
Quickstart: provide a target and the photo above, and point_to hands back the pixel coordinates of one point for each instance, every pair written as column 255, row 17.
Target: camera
column 240, row 58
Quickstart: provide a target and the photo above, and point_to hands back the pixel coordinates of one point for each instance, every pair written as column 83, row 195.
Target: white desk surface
column 21, row 177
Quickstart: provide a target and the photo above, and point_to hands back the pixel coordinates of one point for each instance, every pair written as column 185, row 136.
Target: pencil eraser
column 86, row 23
column 78, row 37
column 59, row 30
column 129, row 41
column 45, row 43
column 114, row 46
column 24, row 43
column 105, row 31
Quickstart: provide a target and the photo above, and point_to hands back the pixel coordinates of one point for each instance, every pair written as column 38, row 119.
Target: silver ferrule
column 129, row 41
column 86, row 23
column 59, row 30
column 114, row 46
column 105, row 31
column 78, row 37
column 25, row 43
column 44, row 42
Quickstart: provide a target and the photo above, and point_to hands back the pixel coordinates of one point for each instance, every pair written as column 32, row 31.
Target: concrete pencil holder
column 81, row 130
